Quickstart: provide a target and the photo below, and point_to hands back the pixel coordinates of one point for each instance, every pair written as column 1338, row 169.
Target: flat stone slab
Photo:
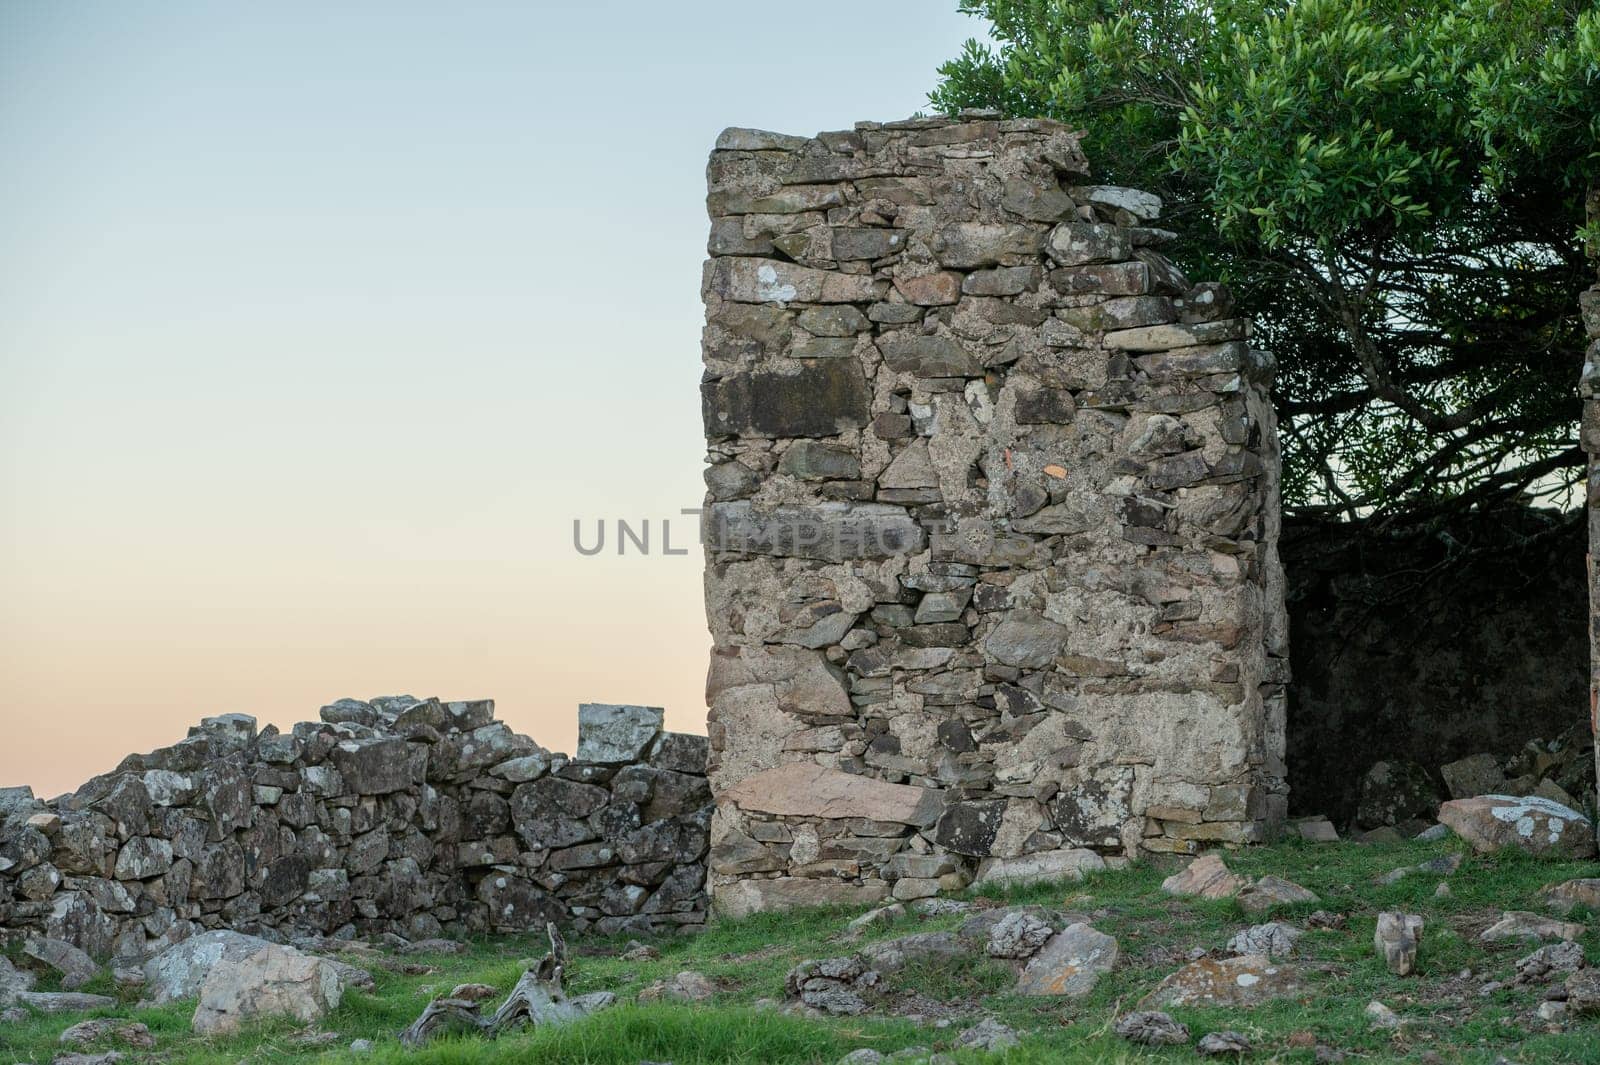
column 1248, row 980
column 803, row 789
column 1070, row 964
column 63, row 1001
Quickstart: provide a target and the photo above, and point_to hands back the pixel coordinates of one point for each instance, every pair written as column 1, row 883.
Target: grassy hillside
column 1445, row 1015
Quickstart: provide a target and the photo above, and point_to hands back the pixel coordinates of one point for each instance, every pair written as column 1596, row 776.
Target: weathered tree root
column 537, row 999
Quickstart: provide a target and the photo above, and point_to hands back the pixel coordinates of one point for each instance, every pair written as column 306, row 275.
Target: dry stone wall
column 991, row 520
column 413, row 817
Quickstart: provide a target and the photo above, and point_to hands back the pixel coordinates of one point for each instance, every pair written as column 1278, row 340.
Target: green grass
column 1445, row 1017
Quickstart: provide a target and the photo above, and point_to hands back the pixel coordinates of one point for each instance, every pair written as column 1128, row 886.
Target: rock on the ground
column 178, row 972
column 1270, row 892
column 989, row 1035
column 76, row 967
column 1070, row 964
column 1532, row 824
column 832, row 985
column 1519, row 924
column 881, row 915
column 1548, row 962
column 864, row 1056
column 1396, row 940
column 1017, row 935
column 1381, row 1016
column 63, row 1001
column 1583, row 992
column 1442, row 866
column 1071, row 864
column 131, row 1033
column 274, row 981
column 1569, row 895
column 1206, row 877
column 687, row 986
column 1274, row 939
column 473, row 992
column 1316, row 830
column 892, row 955
column 1216, row 1044
column 1244, row 981
column 360, row 1046
column 1152, row 1028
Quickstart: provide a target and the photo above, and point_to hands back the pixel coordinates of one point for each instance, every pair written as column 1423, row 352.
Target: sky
column 321, row 324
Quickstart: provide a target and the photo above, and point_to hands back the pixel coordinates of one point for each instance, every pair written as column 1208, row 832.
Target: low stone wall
column 405, row 816
column 992, row 520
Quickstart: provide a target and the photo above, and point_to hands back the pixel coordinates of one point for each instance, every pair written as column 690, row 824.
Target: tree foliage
column 1394, row 191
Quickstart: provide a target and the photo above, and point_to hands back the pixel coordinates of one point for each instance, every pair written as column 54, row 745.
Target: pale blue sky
column 319, row 324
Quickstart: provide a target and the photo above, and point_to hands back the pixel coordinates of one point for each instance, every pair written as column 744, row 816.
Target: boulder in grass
column 1245, row 981
column 275, row 981
column 1270, row 892
column 1528, row 823
column 1207, row 877
column 1519, row 924
column 1569, row 895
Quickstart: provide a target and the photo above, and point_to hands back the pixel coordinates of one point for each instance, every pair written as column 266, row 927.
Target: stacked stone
column 991, row 519
column 413, row 817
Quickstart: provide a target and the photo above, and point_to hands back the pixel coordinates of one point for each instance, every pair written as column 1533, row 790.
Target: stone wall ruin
column 991, row 521
column 397, row 816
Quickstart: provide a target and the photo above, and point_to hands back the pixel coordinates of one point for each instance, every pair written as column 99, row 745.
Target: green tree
column 1394, row 191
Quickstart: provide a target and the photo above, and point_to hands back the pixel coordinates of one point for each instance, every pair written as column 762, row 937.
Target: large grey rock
column 1070, row 964
column 272, row 981
column 611, row 733
column 178, row 972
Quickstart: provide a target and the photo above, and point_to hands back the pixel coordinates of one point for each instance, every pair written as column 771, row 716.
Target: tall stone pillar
column 991, row 525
